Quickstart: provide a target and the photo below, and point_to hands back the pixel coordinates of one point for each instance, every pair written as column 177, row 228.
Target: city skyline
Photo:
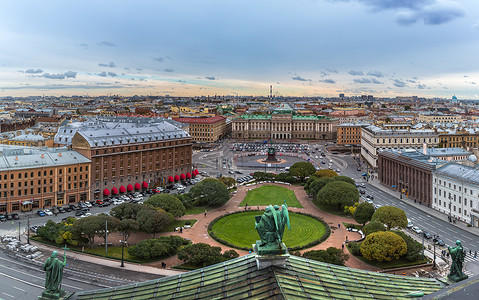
column 185, row 48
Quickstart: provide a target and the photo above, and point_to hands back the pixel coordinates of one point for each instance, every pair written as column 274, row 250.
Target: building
column 284, row 124
column 205, row 130
column 36, row 178
column 29, row 113
column 375, row 139
column 464, row 138
column 456, row 192
column 439, row 118
column 129, row 153
column 26, row 139
column 408, row 172
column 350, row 133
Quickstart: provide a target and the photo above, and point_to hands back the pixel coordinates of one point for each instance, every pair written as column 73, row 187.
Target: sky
column 385, row 48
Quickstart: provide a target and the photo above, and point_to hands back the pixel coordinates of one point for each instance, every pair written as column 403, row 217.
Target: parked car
column 79, row 213
column 2, row 218
column 370, row 197
column 88, row 204
column 369, row 201
column 9, row 217
column 440, row 242
column 359, row 169
column 417, row 230
column 409, row 224
column 15, row 216
column 73, row 206
column 41, row 213
column 362, row 192
column 85, row 215
column 48, row 212
column 68, row 209
column 61, row 209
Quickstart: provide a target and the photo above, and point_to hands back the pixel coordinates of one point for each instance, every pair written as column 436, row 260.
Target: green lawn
column 178, row 223
column 196, row 210
column 238, row 229
column 270, row 194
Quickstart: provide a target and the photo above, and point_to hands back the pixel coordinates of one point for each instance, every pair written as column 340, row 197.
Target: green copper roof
column 298, row 278
column 296, row 117
column 247, row 116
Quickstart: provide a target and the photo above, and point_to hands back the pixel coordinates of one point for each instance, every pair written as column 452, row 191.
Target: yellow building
column 205, row 130
column 350, row 133
column 463, row 139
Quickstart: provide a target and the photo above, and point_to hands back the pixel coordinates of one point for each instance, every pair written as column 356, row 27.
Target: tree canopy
column 228, row 181
column 345, row 179
column 209, row 191
column 325, row 173
column 372, row 227
column 363, row 213
column 318, row 184
column 414, row 248
column 338, row 193
column 153, row 248
column 383, row 246
column 302, row 169
column 203, row 255
column 168, row 203
column 331, row 255
column 152, row 220
column 392, row 217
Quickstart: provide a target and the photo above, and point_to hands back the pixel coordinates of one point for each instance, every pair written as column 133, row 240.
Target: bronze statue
column 457, row 256
column 54, row 273
column 270, row 227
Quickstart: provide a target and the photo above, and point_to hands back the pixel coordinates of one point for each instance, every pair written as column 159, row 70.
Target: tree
column 338, row 193
column 87, row 227
column 152, row 248
column 209, row 191
column 153, row 220
column 407, row 107
column 167, row 202
column 185, row 199
column 345, row 179
column 331, row 255
column 228, row 181
column 390, row 216
column 50, row 230
column 363, row 213
column 383, row 246
column 372, row 227
column 318, row 184
column 325, row 173
column 105, row 223
column 302, row 170
column 127, row 227
column 126, row 211
column 414, row 248
column 203, row 255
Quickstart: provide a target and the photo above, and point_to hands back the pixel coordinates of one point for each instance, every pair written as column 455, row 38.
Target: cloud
column 69, row 74
column 102, row 74
column 112, row 74
column 159, row 59
column 210, row 77
column 34, row 71
column 332, row 71
column 182, row 81
column 439, row 12
column 399, row 83
column 411, row 81
column 375, row 73
column 106, row 44
column 470, row 82
column 299, row 78
column 105, row 74
column 110, row 65
column 356, row 73
column 421, row 86
column 375, row 81
column 83, row 46
column 169, row 70
column 362, row 80
column 328, row 81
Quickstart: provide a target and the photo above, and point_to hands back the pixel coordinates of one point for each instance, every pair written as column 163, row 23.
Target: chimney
column 43, row 156
column 424, row 148
column 16, row 157
column 60, row 154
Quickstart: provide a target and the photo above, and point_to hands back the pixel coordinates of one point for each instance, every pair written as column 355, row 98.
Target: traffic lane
column 16, row 288
column 424, row 221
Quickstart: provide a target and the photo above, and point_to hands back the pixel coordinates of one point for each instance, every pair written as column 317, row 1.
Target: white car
column 85, row 215
column 417, row 230
column 48, row 212
column 88, row 204
column 368, row 200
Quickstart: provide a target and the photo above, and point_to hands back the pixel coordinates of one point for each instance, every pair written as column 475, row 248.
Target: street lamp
column 28, row 229
column 434, row 245
column 400, row 189
column 450, row 208
column 122, row 247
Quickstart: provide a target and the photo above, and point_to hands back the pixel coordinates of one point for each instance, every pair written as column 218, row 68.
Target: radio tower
column 271, row 91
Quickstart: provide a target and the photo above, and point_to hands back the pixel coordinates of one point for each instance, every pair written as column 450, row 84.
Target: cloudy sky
column 205, row 47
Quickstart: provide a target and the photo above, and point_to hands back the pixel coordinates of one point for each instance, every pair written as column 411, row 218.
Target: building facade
column 456, row 192
column 375, row 139
column 462, row 138
column 439, row 118
column 350, row 133
column 130, row 153
column 205, row 130
column 408, row 172
column 284, row 124
column 38, row 178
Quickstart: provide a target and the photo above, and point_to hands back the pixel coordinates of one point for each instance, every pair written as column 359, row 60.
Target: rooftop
column 460, row 172
column 296, row 278
column 210, row 120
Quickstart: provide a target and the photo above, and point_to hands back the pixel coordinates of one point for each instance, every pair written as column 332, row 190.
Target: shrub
column 373, row 226
column 203, row 255
column 331, row 255
column 414, row 248
column 355, row 248
column 153, row 248
column 168, row 203
column 383, row 246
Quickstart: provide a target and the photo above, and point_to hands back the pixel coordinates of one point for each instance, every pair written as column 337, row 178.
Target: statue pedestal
column 268, row 249
column 455, row 278
column 54, row 295
column 270, row 256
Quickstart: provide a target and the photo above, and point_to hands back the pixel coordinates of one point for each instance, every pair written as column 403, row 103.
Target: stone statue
column 457, row 256
column 54, row 273
column 270, row 227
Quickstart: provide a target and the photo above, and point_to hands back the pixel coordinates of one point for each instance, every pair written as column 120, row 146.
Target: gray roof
column 14, row 158
column 459, row 172
column 115, row 131
column 440, row 152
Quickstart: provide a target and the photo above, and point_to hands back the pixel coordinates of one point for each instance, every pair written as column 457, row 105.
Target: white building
column 455, row 192
column 374, row 139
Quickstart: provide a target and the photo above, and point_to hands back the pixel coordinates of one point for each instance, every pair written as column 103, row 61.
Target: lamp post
column 28, row 229
column 450, row 208
column 122, row 249
column 400, row 189
column 434, row 261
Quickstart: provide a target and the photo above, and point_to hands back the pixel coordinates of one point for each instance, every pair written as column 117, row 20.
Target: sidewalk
column 428, row 210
